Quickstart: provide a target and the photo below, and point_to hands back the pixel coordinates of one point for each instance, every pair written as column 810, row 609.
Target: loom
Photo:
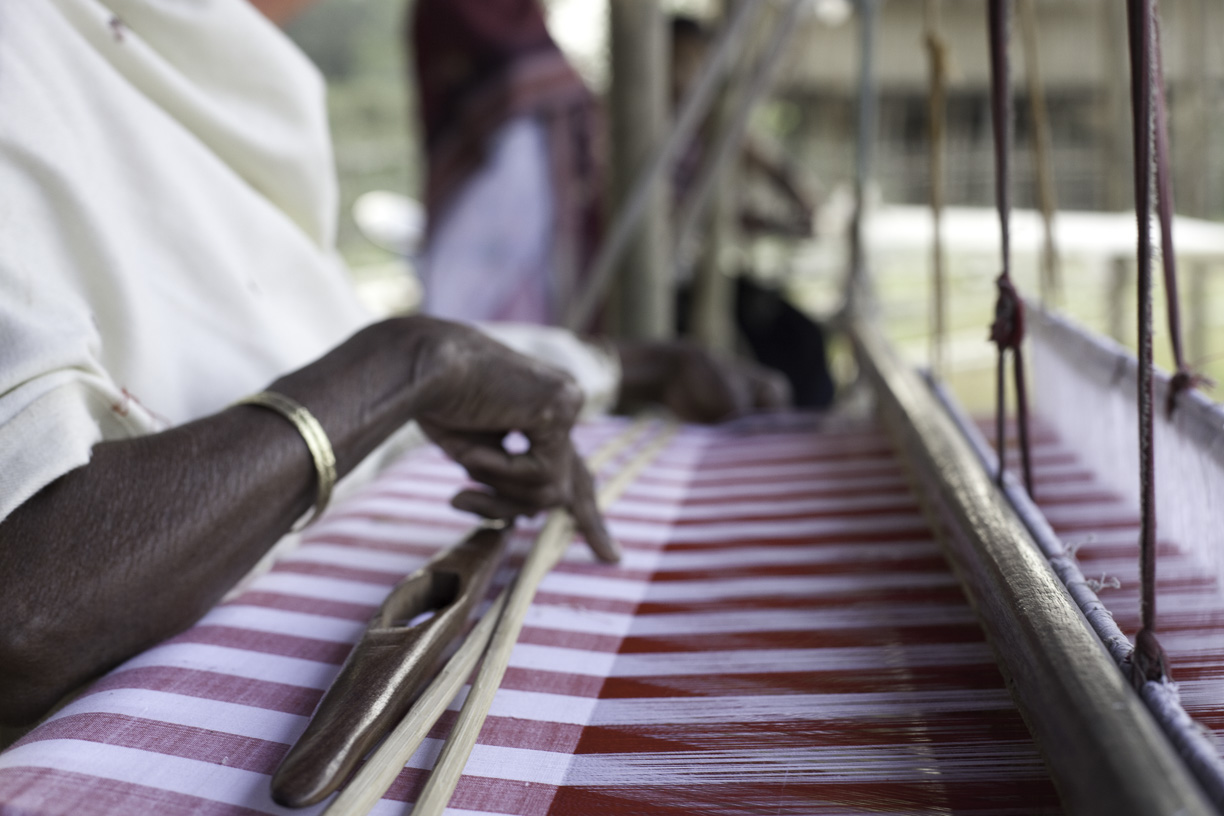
column 815, row 614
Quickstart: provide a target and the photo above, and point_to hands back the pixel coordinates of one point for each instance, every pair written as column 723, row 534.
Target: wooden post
column 1200, row 312
column 643, row 299
column 1120, row 282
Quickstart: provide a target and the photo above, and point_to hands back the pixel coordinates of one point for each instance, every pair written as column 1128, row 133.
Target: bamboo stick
column 374, row 778
column 548, row 549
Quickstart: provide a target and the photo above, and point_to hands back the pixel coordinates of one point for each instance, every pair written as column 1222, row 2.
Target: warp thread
column 1007, row 331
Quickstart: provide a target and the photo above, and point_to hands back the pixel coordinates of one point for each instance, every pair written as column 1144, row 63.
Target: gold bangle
column 316, row 440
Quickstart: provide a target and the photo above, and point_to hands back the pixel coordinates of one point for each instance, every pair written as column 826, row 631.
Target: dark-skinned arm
column 138, row 544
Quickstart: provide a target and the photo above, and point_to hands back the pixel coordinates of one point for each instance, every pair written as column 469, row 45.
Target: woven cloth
column 782, row 636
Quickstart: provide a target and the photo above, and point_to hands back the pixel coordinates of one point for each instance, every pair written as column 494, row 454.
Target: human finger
column 772, row 391
column 588, row 519
column 492, row 505
column 530, row 467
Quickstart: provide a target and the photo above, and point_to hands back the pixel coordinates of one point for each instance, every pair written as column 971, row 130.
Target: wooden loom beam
column 638, row 104
column 1103, row 749
column 637, row 197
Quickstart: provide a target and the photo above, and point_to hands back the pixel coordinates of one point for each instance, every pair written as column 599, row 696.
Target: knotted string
column 1150, row 662
column 1007, row 331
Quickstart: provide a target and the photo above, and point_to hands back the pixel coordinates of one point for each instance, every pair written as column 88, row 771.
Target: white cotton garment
column 167, row 222
column 167, row 214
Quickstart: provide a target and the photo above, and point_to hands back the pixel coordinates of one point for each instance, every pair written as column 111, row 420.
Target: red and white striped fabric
column 782, row 636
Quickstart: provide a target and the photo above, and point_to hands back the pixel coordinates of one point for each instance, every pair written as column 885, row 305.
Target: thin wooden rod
column 1050, row 280
column 628, row 218
column 733, row 137
column 374, row 778
column 937, row 109
column 548, row 549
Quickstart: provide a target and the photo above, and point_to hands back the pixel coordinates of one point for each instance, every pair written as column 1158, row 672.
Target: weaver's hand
column 472, row 392
column 697, row 386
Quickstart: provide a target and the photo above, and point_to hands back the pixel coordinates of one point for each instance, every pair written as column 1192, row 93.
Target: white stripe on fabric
column 238, row 663
column 738, row 508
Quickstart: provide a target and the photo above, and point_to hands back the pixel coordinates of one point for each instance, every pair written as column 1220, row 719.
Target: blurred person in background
column 511, row 134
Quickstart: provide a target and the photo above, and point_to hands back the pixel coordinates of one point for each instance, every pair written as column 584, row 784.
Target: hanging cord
column 1007, row 331
column 1051, row 270
column 1149, row 658
column 1184, row 378
column 859, row 294
column 937, row 111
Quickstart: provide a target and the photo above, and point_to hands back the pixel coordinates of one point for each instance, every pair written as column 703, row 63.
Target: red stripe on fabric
column 890, row 634
column 569, row 640
column 943, row 594
column 887, row 633
column 309, row 605
column 49, row 792
column 226, row 688
column 887, row 486
column 1082, row 497
column 815, row 456
column 254, row 640
column 888, row 680
column 1079, row 476
column 860, row 470
column 1071, row 522
column 547, row 682
column 868, row 562
column 202, row 745
column 1004, row 797
column 995, row 725
column 512, row 732
column 386, row 578
column 905, row 506
column 479, row 793
column 920, row 564
column 915, row 532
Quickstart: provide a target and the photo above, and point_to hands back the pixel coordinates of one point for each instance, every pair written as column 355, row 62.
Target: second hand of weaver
column 506, row 614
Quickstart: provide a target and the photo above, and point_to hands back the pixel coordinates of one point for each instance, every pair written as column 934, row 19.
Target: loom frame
column 1105, row 752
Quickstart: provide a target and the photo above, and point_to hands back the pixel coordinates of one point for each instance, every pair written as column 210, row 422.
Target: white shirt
column 167, row 223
